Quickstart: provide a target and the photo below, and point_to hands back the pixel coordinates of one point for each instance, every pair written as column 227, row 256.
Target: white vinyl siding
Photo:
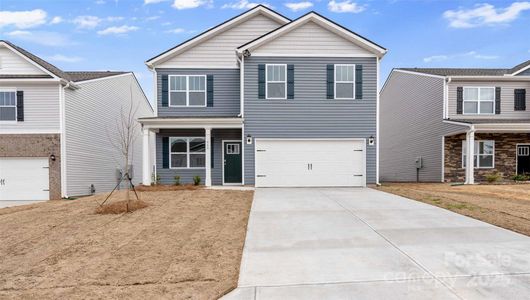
column 187, row 90
column 92, row 112
column 311, row 39
column 8, row 105
column 218, row 51
column 187, row 152
column 484, row 157
column 276, row 81
column 41, row 108
column 344, row 82
column 14, row 64
column 479, row 100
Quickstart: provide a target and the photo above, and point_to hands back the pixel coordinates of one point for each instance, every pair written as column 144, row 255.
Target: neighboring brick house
column 267, row 101
column 463, row 123
column 56, row 127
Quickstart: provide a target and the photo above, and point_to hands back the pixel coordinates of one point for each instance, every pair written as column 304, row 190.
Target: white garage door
column 24, row 178
column 303, row 163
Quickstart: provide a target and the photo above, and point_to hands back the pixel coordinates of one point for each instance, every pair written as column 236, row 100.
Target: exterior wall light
column 52, row 157
column 371, row 141
column 249, row 140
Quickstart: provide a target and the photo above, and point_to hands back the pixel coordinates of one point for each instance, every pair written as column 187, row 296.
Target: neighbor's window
column 8, row 106
column 479, row 100
column 187, row 152
column 276, row 81
column 484, row 154
column 187, row 90
column 344, row 81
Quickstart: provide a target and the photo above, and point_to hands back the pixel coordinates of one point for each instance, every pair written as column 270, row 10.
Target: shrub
column 520, row 177
column 157, row 179
column 177, row 180
column 196, row 180
column 493, row 177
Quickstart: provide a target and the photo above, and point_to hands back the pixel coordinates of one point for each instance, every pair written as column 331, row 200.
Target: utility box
column 419, row 162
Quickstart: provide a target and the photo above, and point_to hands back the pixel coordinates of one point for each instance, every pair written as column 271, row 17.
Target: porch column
column 470, row 155
column 146, row 165
column 207, row 140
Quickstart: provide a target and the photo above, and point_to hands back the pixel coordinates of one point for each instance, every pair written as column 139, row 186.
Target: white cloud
column 100, row 2
column 45, row 38
column 346, row 6
column 176, row 30
column 64, row 58
column 152, row 18
column 114, row 19
column 153, row 1
column 56, row 20
column 485, row 14
column 296, row 6
column 87, row 22
column 187, row 4
column 118, row 30
column 243, row 4
column 470, row 54
column 23, row 19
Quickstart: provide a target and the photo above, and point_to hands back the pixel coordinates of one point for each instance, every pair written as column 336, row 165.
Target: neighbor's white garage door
column 305, row 163
column 24, row 178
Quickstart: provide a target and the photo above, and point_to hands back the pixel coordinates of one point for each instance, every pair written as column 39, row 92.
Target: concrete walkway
column 365, row 244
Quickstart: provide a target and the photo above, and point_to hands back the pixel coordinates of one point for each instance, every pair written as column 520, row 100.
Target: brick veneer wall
column 36, row 145
column 505, row 155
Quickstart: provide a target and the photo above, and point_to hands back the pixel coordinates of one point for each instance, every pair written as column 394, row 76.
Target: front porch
column 487, row 149
column 208, row 148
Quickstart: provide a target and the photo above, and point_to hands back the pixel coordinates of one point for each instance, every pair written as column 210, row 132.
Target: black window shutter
column 497, row 100
column 209, row 89
column 261, row 81
column 165, row 96
column 459, row 100
column 358, row 81
column 520, row 99
column 290, row 81
column 20, row 106
column 330, row 81
column 165, row 152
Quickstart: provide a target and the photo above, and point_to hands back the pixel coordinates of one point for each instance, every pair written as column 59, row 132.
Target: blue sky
column 122, row 34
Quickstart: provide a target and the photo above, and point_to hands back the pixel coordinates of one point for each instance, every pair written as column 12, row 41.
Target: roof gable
column 259, row 10
column 324, row 25
column 17, row 61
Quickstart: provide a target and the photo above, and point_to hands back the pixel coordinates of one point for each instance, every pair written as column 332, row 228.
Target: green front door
column 232, row 162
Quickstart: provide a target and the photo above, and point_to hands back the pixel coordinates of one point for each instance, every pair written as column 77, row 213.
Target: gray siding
column 91, row 113
column 167, row 176
column 524, row 73
column 41, row 108
column 310, row 114
column 507, row 99
column 226, row 102
column 411, row 114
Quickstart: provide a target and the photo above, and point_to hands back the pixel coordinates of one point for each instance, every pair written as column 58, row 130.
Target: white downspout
column 62, row 137
column 377, row 126
column 242, row 111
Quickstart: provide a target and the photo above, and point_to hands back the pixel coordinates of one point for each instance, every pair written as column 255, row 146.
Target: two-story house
column 459, row 124
column 267, row 101
column 58, row 129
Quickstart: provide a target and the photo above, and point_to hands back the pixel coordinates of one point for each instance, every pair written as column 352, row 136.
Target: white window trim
column 267, row 82
column 10, row 90
column 187, row 90
column 335, row 81
column 188, row 139
column 477, row 166
column 479, row 101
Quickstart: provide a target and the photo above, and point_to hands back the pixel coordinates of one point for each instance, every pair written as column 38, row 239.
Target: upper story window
column 276, row 83
column 187, row 90
column 479, row 100
column 8, row 105
column 344, row 81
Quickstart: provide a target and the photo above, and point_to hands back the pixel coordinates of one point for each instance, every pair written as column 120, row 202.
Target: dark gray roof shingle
column 468, row 71
column 74, row 76
column 520, row 66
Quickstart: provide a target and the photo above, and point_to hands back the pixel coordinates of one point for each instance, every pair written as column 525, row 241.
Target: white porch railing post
column 470, row 157
column 207, row 141
column 146, row 164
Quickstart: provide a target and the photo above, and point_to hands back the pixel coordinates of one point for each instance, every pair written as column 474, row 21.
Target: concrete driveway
column 10, row 203
column 317, row 243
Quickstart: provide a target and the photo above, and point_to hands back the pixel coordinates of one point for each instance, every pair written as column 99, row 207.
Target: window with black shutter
column 520, row 99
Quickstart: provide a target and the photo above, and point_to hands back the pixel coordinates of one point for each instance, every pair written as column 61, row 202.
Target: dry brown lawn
column 186, row 244
column 507, row 206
